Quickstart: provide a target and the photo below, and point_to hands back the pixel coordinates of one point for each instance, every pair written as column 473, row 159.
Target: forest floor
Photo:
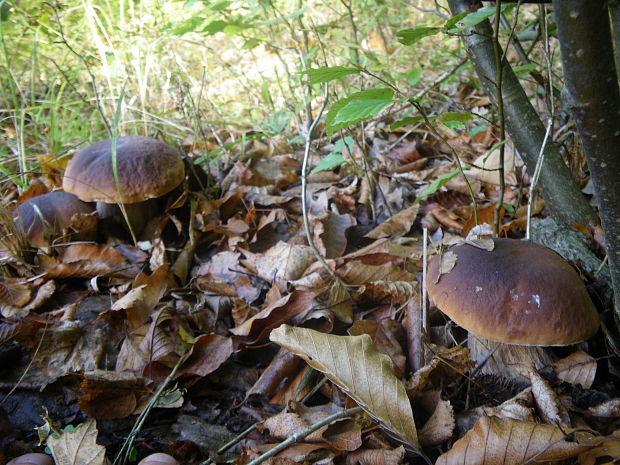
column 176, row 341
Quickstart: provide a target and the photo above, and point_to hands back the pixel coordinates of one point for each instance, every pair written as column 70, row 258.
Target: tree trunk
column 592, row 83
column 523, row 124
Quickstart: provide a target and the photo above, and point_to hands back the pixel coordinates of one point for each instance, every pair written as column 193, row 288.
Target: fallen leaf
column 78, row 447
column 397, row 225
column 110, row 394
column 440, row 426
column 549, row 406
column 376, row 457
column 497, row 441
column 606, row 451
column 259, row 326
column 353, row 363
column 577, row 368
column 209, row 351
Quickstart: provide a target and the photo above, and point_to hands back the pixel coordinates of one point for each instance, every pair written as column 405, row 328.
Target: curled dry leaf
column 448, row 260
column 330, row 233
column 377, row 457
column 443, row 368
column 110, row 394
column 259, row 326
column 606, row 451
column 609, row 409
column 14, row 294
column 440, row 426
column 78, row 447
column 42, row 293
column 496, row 441
column 577, row 368
column 353, row 363
column 397, row 225
column 392, row 291
column 549, row 406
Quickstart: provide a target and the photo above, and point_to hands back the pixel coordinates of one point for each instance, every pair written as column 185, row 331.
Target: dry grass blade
column 353, row 363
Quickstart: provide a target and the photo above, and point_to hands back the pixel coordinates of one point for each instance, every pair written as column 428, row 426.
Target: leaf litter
column 227, row 299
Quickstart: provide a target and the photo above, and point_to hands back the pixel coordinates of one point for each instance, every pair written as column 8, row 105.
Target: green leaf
column 436, row 184
column 524, row 70
column 405, row 121
column 187, row 26
column 460, row 116
column 471, row 19
column 411, row 36
column 335, row 157
column 359, row 110
column 326, row 73
column 380, row 93
column 329, row 162
column 455, row 19
column 413, row 76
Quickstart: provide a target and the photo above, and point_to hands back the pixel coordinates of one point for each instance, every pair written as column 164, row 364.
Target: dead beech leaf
column 497, row 441
column 208, row 353
column 14, row 294
column 86, row 261
column 353, row 363
column 358, row 272
column 397, row 225
column 448, row 261
column 606, row 451
column 392, row 291
column 110, row 394
column 330, row 233
column 440, row 426
column 78, row 447
column 282, row 263
column 42, row 293
column 376, row 457
column 577, row 368
column 609, row 409
column 257, row 327
column 340, row 302
column 549, row 406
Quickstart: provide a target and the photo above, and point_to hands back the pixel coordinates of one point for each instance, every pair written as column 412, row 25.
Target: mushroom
column 512, row 299
column 147, row 169
column 44, row 218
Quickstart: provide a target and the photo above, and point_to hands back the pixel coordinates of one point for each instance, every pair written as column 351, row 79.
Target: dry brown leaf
column 209, row 351
column 14, row 294
column 86, row 261
column 145, row 294
column 282, row 263
column 606, row 451
column 577, row 368
column 384, row 337
column 257, row 327
column 110, row 394
column 330, row 233
column 397, row 225
column 42, row 293
column 286, row 424
column 388, row 291
column 340, row 302
column 441, row 370
column 609, row 409
column 549, row 406
column 376, row 457
column 67, row 348
column 358, row 272
column 440, row 426
column 78, row 447
column 353, row 363
column 496, row 441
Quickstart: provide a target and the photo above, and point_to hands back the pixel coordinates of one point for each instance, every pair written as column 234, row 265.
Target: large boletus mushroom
column 517, row 295
column 147, row 169
column 50, row 217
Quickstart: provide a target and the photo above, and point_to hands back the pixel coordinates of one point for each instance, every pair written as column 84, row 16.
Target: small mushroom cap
column 147, row 168
column 45, row 216
column 518, row 293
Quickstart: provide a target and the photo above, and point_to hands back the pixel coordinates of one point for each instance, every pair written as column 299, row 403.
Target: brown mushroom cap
column 147, row 168
column 518, row 293
column 41, row 218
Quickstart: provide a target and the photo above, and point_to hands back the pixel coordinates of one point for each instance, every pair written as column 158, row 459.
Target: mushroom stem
column 138, row 214
column 509, row 360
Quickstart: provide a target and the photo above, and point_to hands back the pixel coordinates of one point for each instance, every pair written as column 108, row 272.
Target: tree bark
column 523, row 124
column 592, row 83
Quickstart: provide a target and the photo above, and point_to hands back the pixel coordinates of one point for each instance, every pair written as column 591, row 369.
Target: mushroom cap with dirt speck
column 42, row 217
column 518, row 293
column 147, row 168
